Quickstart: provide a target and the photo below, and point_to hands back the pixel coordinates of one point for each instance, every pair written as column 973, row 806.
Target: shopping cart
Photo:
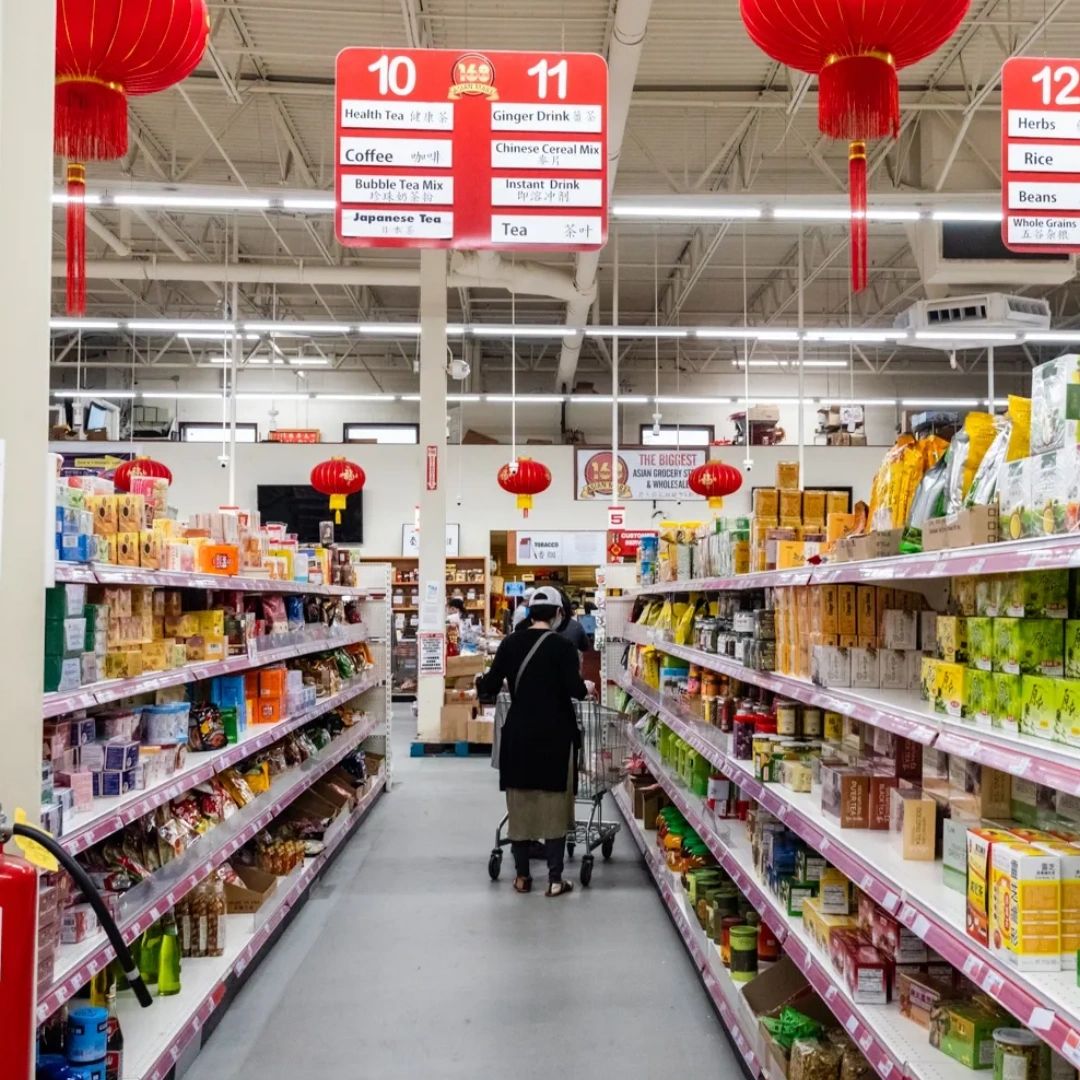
column 601, row 765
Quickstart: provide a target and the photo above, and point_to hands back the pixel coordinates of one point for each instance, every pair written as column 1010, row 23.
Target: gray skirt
column 541, row 815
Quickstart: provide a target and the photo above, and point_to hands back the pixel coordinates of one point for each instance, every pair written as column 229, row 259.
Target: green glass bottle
column 169, row 962
column 150, row 954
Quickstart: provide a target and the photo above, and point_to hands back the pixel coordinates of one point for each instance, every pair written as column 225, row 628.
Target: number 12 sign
column 1040, row 152
column 448, row 149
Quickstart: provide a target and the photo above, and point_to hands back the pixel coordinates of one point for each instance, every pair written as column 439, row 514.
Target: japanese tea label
column 438, row 148
column 1040, row 155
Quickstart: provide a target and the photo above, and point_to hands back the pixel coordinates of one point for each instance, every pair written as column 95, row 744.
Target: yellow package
column 1025, row 907
column 683, row 627
column 967, row 451
column 1020, row 435
column 895, row 484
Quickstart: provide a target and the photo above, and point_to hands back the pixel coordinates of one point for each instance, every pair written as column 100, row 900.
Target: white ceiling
column 710, row 113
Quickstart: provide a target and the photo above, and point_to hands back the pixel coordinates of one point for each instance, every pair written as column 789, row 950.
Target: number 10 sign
column 451, row 149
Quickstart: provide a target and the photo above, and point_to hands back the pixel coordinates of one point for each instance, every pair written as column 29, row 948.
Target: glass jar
column 744, row 726
column 811, row 722
column 787, row 718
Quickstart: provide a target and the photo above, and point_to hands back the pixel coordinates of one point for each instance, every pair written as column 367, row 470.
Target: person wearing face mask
column 540, row 737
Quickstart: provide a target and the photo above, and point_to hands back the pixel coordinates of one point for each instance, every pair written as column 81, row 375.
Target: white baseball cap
column 545, row 595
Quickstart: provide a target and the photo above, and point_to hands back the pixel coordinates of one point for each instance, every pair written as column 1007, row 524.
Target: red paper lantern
column 714, row 480
column 855, row 49
column 528, row 479
column 337, row 478
column 140, row 466
column 107, row 50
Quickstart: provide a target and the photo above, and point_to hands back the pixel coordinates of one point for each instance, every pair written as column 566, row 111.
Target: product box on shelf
column 1039, row 706
column 258, row 886
column 1067, row 727
column 1055, row 404
column 1009, row 701
column 965, row 1031
column 966, row 528
column 1025, row 915
column 913, row 814
column 1018, row 518
column 980, row 848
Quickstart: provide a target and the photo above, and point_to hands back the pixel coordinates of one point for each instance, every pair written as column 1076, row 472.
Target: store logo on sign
column 474, row 74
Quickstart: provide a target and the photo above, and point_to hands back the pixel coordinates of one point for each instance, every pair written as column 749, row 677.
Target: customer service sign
column 645, row 474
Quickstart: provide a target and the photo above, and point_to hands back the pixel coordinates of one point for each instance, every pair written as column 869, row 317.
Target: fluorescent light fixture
column 84, row 324
column 940, row 403
column 459, row 399
column 179, row 395
column 270, row 395
column 662, row 400
column 177, row 326
column 635, row 332
column 762, row 363
column 60, row 198
column 966, row 215
column 527, row 399
column 820, row 363
column 965, row 335
column 682, row 213
column 855, row 337
column 810, row 213
column 216, row 337
column 219, row 360
column 307, row 204
column 356, row 397
column 455, row 330
column 855, row 401
column 520, row 330
column 309, row 361
column 296, row 329
column 165, row 200
column 1052, row 337
column 596, row 399
column 883, row 214
column 749, row 333
column 80, row 395
column 388, row 328
column 410, row 397
column 260, row 361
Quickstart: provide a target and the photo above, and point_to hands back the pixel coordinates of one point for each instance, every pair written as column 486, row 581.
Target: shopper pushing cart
column 540, row 739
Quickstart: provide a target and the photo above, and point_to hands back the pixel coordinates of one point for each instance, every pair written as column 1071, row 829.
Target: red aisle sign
column 442, row 148
column 1040, row 155
column 433, row 468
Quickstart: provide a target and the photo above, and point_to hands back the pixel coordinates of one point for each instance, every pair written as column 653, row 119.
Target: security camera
column 223, row 460
column 748, row 465
column 458, row 369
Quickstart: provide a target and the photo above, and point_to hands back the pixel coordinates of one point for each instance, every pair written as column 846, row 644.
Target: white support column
column 27, row 41
column 432, row 571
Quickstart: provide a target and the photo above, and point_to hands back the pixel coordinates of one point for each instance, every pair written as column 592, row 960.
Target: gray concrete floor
column 407, row 961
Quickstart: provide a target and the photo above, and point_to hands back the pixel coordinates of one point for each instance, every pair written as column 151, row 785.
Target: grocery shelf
column 109, row 574
column 149, row 900
column 110, row 815
column 155, row 1038
column 915, row 892
column 1054, row 764
column 101, row 693
column 894, row 1045
column 1037, row 553
column 726, row 996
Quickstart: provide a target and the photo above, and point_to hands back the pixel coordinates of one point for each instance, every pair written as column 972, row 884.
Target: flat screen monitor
column 301, row 507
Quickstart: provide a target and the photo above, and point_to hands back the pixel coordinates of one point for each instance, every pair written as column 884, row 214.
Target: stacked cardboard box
column 790, row 524
column 460, row 706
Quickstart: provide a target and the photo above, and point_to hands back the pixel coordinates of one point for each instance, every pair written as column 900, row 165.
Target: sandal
column 522, row 884
column 559, row 888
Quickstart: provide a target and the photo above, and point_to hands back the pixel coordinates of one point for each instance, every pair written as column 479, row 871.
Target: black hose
column 93, row 898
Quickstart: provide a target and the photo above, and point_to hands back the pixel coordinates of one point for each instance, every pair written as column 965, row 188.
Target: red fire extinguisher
column 18, row 945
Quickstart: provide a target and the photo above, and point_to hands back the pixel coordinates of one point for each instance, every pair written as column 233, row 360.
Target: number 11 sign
column 442, row 148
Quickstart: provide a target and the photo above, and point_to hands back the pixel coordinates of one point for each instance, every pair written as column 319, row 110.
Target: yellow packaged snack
column 1020, row 436
column 895, row 484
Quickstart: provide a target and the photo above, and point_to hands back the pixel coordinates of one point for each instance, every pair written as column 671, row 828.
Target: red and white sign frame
column 1040, row 155
column 431, row 470
column 449, row 148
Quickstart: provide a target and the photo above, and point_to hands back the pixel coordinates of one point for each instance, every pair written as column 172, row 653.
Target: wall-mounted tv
column 301, row 507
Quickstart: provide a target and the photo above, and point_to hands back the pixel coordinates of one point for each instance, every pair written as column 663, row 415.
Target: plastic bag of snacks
column 895, row 484
column 1020, row 436
column 926, row 504
column 967, row 451
column 813, row 1060
column 983, row 488
column 200, row 919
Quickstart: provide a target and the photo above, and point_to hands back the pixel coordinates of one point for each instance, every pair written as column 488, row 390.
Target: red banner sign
column 448, row 149
column 1040, row 155
column 432, row 470
column 623, row 544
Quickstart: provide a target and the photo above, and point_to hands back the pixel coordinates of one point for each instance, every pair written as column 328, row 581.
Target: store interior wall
column 474, row 498
column 542, row 421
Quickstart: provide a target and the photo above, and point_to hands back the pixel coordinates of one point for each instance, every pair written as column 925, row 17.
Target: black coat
column 541, row 728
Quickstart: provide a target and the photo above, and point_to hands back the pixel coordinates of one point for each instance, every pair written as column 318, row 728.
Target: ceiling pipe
column 467, row 269
column 624, row 52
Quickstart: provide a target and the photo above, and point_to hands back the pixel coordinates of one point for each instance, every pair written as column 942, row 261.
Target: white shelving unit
column 155, row 1037
column 1047, row 1002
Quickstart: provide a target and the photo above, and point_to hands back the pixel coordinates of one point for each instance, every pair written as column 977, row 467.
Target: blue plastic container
column 87, row 1035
